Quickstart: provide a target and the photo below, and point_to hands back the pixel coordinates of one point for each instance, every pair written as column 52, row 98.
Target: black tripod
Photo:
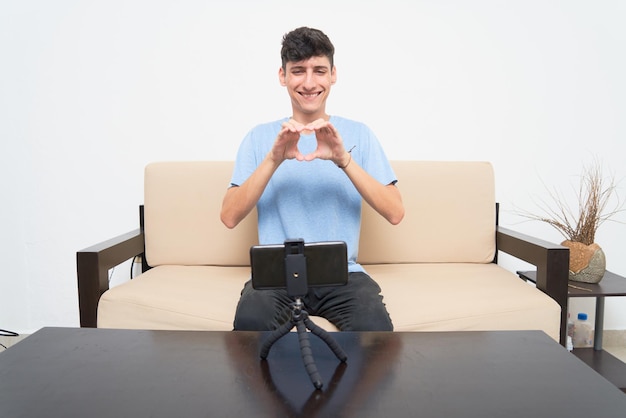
column 297, row 286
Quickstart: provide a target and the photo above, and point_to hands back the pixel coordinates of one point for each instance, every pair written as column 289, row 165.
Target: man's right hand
column 286, row 144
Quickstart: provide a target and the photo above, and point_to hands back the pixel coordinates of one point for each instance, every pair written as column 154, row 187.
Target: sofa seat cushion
column 463, row 297
column 179, row 298
column 175, row 297
column 419, row 297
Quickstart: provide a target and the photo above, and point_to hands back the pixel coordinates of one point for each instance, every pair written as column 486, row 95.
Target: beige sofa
column 437, row 268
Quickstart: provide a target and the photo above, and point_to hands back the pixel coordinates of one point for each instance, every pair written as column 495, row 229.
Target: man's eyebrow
column 316, row 68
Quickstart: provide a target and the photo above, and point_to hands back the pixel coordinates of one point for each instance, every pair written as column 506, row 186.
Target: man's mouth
column 310, row 95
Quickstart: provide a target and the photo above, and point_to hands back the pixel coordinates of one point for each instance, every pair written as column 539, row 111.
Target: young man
column 307, row 175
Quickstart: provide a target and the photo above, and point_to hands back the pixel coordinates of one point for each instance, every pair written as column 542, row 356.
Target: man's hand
column 286, row 144
column 329, row 143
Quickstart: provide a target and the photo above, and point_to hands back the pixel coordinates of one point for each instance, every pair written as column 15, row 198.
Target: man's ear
column 281, row 76
column 333, row 75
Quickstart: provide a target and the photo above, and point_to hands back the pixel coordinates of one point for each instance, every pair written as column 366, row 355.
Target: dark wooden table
column 85, row 372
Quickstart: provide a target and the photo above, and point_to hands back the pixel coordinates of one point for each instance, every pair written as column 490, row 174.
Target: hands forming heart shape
column 329, row 143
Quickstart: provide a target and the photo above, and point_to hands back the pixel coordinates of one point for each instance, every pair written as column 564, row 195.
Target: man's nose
column 309, row 81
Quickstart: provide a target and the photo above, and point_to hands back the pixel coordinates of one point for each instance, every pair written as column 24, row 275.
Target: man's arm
column 240, row 200
column 384, row 199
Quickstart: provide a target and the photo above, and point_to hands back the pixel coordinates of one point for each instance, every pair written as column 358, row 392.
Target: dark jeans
column 357, row 306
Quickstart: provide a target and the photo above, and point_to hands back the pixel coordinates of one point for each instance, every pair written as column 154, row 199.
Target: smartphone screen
column 326, row 264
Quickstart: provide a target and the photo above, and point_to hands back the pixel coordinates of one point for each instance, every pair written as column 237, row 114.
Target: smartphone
column 326, row 264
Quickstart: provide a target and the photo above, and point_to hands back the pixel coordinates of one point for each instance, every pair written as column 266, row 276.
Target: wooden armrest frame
column 93, row 264
column 551, row 260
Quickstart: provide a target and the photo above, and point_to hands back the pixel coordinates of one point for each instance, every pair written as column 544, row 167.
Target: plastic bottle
column 570, row 326
column 570, row 343
column 583, row 334
column 570, row 333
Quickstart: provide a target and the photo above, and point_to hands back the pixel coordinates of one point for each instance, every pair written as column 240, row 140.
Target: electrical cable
column 132, row 264
column 5, row 333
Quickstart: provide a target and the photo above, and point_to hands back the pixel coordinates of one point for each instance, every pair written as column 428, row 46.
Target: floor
column 6, row 342
column 619, row 352
column 615, row 343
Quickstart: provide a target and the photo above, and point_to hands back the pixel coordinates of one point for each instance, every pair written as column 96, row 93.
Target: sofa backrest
column 182, row 226
column 450, row 216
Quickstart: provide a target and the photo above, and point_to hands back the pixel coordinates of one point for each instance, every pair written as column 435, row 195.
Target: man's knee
column 258, row 310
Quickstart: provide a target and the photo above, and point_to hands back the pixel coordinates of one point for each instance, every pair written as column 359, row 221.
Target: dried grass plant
column 594, row 195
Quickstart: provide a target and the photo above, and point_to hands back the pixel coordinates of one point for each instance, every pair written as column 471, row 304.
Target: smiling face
column 308, row 83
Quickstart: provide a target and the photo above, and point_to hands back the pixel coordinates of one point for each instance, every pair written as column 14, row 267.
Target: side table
column 604, row 363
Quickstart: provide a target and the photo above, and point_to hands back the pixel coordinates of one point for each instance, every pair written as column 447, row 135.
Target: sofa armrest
column 93, row 264
column 551, row 260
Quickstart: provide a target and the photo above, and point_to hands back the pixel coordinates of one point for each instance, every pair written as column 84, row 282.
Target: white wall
column 91, row 91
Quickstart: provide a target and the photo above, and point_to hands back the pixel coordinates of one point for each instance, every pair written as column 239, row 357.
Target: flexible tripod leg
column 326, row 337
column 300, row 319
column 275, row 336
column 307, row 355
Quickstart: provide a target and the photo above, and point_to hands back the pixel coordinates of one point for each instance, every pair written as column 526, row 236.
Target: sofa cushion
column 463, row 297
column 450, row 216
column 182, row 204
column 175, row 297
column 449, row 205
column 419, row 297
column 178, row 298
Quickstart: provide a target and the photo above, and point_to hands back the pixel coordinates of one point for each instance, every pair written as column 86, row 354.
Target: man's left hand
column 329, row 143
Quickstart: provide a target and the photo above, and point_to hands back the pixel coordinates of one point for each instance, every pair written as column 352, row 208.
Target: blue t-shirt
column 313, row 200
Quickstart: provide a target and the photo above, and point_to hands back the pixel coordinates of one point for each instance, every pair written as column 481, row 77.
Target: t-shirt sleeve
column 245, row 162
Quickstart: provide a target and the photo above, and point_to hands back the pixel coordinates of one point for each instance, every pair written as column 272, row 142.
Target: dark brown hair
column 304, row 43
